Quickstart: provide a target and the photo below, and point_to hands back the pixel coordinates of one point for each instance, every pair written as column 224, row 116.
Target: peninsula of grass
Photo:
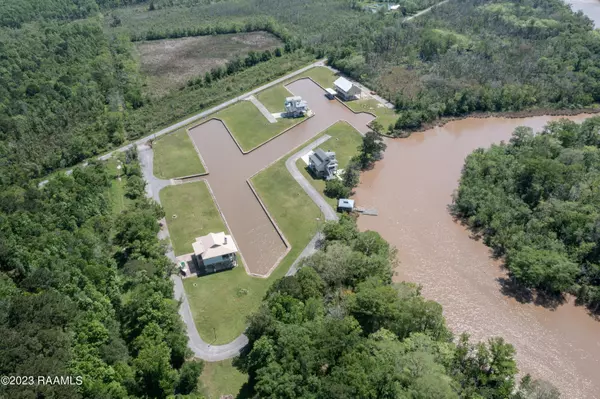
column 384, row 115
column 273, row 98
column 175, row 156
column 222, row 302
column 344, row 141
column 221, row 378
column 190, row 212
column 249, row 127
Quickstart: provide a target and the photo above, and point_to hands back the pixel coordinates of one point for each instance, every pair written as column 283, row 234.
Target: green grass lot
column 116, row 193
column 274, row 97
column 323, row 76
column 175, row 156
column 196, row 214
column 221, row 378
column 344, row 142
column 249, row 127
column 385, row 116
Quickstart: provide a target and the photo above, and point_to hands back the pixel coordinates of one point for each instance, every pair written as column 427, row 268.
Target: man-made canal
column 412, row 187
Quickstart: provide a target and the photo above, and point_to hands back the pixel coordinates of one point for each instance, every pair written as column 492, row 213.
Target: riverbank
column 412, row 188
column 509, row 115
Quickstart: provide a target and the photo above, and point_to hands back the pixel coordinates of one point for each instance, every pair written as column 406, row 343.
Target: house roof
column 213, row 245
column 343, row 84
column 346, row 203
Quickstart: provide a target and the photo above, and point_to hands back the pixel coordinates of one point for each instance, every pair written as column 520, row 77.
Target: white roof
column 330, row 90
column 214, row 245
column 395, row 7
column 343, row 84
column 346, row 202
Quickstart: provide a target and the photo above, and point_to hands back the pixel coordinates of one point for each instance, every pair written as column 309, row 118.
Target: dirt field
column 169, row 64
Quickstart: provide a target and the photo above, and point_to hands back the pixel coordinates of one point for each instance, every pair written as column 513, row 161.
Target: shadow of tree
column 511, row 288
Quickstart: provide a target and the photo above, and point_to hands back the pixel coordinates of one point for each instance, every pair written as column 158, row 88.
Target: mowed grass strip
column 221, row 378
column 116, row 193
column 175, row 156
column 190, row 212
column 221, row 302
column 274, row 98
column 344, row 141
column 249, row 127
column 384, row 115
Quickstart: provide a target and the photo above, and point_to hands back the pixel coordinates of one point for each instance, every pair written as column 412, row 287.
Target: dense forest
column 536, row 201
column 340, row 329
column 84, row 291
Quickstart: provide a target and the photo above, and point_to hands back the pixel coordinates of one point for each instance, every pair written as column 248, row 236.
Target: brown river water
column 411, row 188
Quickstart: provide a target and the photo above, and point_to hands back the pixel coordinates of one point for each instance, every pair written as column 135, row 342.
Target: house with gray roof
column 346, row 89
column 323, row 164
column 295, row 107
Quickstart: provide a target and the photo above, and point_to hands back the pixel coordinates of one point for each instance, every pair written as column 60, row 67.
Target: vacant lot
column 169, row 64
column 221, row 378
column 190, row 212
column 384, row 115
column 344, row 141
column 274, row 98
column 175, row 156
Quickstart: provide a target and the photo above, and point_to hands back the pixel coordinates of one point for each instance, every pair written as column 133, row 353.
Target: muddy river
column 411, row 188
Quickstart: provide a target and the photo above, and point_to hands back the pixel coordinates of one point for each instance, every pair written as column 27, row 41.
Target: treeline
column 13, row 13
column 86, row 292
column 249, row 25
column 536, row 202
column 339, row 328
column 64, row 92
column 238, row 64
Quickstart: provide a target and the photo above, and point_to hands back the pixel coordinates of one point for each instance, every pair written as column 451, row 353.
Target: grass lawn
column 249, row 127
column 116, row 193
column 175, row 156
column 196, row 214
column 274, row 97
column 385, row 115
column 221, row 378
column 323, row 76
column 344, row 142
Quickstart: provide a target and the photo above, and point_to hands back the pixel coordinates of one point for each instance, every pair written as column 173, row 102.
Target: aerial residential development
column 300, row 199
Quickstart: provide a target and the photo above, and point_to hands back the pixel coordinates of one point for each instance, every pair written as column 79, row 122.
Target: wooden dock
column 366, row 211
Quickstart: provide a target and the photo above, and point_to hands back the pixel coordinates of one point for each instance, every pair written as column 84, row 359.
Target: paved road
column 424, row 11
column 326, row 209
column 263, row 110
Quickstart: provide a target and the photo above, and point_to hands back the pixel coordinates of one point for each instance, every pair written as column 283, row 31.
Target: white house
column 216, row 251
column 295, row 106
column 323, row 164
column 346, row 89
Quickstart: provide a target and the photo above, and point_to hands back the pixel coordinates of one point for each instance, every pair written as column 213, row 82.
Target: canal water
column 258, row 241
column 411, row 188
